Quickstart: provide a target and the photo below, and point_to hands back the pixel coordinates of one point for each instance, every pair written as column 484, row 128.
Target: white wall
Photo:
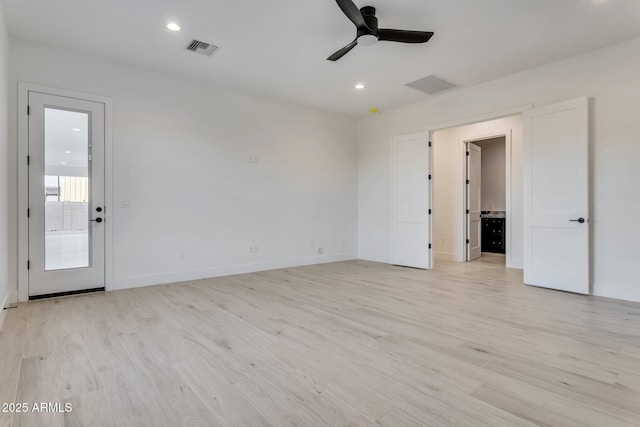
column 610, row 76
column 4, row 166
column 493, row 174
column 448, row 186
column 181, row 158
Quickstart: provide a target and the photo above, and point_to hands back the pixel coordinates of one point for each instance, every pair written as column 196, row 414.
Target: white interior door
column 411, row 201
column 66, row 194
column 474, row 191
column 556, row 196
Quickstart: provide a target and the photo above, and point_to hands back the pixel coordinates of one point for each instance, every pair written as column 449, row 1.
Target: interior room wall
column 448, row 186
column 4, row 166
column 493, row 191
column 182, row 151
column 609, row 76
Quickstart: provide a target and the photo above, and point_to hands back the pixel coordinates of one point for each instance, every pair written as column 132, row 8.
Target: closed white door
column 411, row 200
column 556, row 196
column 66, row 195
column 474, row 187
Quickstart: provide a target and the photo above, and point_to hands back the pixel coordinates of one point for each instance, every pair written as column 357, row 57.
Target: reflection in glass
column 66, row 183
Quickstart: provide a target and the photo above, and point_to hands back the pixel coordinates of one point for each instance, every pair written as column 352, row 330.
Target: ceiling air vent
column 431, row 85
column 201, row 47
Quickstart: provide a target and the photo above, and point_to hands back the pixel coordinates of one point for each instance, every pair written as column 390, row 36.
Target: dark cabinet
column 493, row 235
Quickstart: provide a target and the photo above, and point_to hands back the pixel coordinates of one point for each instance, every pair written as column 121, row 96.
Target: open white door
column 474, row 187
column 411, row 200
column 556, row 196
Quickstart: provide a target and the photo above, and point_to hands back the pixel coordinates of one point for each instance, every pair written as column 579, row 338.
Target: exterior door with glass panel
column 66, row 194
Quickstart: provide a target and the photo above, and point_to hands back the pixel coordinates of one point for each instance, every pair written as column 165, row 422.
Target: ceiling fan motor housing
column 368, row 36
column 369, row 15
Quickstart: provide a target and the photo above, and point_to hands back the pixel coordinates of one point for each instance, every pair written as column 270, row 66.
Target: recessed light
column 67, row 152
column 173, row 26
column 76, row 129
column 63, row 163
column 359, row 86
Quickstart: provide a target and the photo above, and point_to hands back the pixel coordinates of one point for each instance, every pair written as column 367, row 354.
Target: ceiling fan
column 368, row 32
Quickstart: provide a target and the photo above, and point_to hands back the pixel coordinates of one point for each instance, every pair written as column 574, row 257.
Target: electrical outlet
column 253, row 248
column 253, row 159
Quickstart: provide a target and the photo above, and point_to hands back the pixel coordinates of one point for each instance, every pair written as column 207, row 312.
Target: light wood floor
column 344, row 344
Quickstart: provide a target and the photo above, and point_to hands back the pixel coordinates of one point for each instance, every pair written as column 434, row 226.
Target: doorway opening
column 477, row 187
column 546, row 225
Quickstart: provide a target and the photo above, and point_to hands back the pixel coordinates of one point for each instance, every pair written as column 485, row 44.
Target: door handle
column 98, row 220
column 580, row 220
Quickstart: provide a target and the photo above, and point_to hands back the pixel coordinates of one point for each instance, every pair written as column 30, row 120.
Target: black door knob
column 98, row 209
column 580, row 220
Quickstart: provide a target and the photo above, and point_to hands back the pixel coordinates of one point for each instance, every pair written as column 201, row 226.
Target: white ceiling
column 279, row 48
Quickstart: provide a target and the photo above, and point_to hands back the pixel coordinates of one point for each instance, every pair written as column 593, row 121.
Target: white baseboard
column 3, row 312
column 181, row 276
column 381, row 259
column 515, row 264
column 446, row 256
column 626, row 293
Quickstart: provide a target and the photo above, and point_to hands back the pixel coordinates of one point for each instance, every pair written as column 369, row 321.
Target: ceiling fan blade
column 404, row 36
column 342, row 52
column 353, row 13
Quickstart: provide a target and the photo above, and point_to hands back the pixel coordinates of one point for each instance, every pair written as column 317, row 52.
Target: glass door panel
column 67, row 175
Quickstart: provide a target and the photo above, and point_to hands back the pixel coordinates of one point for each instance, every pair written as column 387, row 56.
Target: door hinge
column 429, row 211
column 429, row 143
column 429, row 245
column 28, row 265
column 468, row 153
column 468, row 182
column 468, row 211
column 429, row 177
column 28, row 160
column 28, row 213
column 468, row 241
column 28, row 110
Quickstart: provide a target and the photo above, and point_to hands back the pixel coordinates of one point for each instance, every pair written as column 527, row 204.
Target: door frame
column 462, row 171
column 23, row 179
